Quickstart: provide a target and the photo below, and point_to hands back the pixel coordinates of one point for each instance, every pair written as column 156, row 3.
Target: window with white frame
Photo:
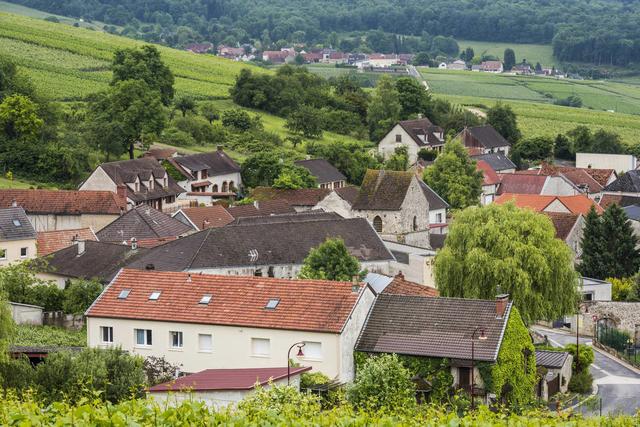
column 106, row 334
column 143, row 337
column 438, row 218
column 205, row 342
column 24, row 252
column 261, row 347
column 312, row 350
column 176, row 339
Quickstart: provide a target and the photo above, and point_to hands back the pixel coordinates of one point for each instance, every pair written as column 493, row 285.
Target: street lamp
column 299, row 354
column 481, row 337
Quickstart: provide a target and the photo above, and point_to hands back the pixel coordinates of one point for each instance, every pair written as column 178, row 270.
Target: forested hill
column 596, row 31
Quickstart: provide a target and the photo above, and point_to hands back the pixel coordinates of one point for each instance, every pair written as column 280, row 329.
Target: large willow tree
column 503, row 249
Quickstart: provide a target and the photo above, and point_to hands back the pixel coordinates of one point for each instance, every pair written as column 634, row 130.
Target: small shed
column 222, row 387
column 557, row 365
column 26, row 314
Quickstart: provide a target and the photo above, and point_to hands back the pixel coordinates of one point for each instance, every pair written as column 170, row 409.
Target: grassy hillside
column 68, row 63
column 533, row 53
column 35, row 13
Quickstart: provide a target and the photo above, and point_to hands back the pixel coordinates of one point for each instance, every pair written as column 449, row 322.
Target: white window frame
column 148, row 337
column 439, row 218
column 305, row 349
column 109, row 330
column 260, row 339
column 200, row 349
column 180, row 336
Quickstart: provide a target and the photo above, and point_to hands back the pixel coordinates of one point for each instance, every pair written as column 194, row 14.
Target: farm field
column 531, row 52
column 35, row 13
column 69, row 63
column 595, row 94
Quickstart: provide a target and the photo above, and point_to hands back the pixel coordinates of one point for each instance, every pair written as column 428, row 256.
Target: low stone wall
column 624, row 316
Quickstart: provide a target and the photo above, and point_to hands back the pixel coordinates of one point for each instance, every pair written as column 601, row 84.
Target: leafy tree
column 582, row 139
column 399, row 161
column 533, row 149
column 261, row 169
column 509, row 59
column 123, row 115
column 563, row 148
column 383, row 384
column 209, row 112
column 593, row 262
column 503, row 249
column 623, row 289
column 186, row 104
column 427, row 155
column 570, row 101
column 454, row 176
column 6, row 325
column 158, row 370
column 144, row 64
column 503, row 120
column 607, row 142
column 422, row 58
column 238, row 120
column 538, row 67
column 414, row 98
column 277, row 399
column 330, row 261
column 306, row 121
column 467, row 55
column 80, row 294
column 293, row 178
column 384, row 108
column 352, row 159
column 19, row 118
column 298, row 59
column 177, row 137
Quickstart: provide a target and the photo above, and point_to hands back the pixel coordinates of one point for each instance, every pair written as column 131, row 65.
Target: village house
column 205, row 321
column 339, row 201
column 557, row 367
column 627, row 184
column 144, row 226
column 490, row 182
column 270, row 246
column 286, row 55
column 491, row 67
column 219, row 388
column 523, row 68
column 261, row 208
column 50, row 210
column 415, row 135
column 17, row 236
column 398, row 204
column 523, row 182
column 589, row 181
column 52, row 241
column 326, row 175
column 570, row 229
column 609, row 199
column 633, row 214
column 618, row 162
column 498, row 162
column 301, row 200
column 199, row 47
column 160, row 153
column 140, row 181
column 578, row 204
column 460, row 333
column 236, row 53
column 457, row 65
column 90, row 260
column 485, row 138
column 416, row 264
column 208, row 176
column 380, row 60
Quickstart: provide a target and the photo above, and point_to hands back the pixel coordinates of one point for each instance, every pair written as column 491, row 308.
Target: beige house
column 415, row 135
column 220, row 322
column 50, row 210
column 17, row 236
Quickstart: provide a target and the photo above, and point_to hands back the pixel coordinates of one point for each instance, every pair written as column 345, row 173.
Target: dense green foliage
column 625, row 289
column 502, row 249
column 581, row 379
column 293, row 178
column 79, row 295
column 454, row 177
column 331, row 260
column 530, row 151
column 26, row 335
column 609, row 245
column 503, row 120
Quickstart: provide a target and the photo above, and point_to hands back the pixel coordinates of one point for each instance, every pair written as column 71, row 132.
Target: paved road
column 413, row 72
column 618, row 386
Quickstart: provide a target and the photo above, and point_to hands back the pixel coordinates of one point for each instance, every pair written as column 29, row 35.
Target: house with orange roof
column 578, row 204
column 490, row 182
column 53, row 241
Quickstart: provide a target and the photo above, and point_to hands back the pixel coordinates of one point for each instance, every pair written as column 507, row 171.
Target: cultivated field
column 68, row 63
column 531, row 52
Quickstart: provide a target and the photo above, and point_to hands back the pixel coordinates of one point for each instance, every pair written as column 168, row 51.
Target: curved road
column 618, row 386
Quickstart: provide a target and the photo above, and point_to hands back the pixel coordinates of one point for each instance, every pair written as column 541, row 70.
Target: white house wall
column 388, row 144
column 351, row 332
column 334, row 203
column 13, row 249
column 558, row 186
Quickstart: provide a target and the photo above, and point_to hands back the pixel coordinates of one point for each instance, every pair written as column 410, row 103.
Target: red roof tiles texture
column 64, row 202
column 490, row 177
column 575, row 204
column 52, row 241
column 208, row 216
column 306, row 305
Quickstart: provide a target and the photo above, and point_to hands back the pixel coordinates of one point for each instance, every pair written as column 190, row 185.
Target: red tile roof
column 399, row 286
column 306, row 305
column 563, row 223
column 227, row 379
column 52, row 241
column 208, row 216
column 579, row 204
column 64, row 202
column 601, row 176
column 575, row 204
column 521, row 183
column 301, row 197
column 490, row 176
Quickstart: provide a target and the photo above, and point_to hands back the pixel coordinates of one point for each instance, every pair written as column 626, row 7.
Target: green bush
column 586, row 357
column 383, row 384
column 177, row 137
column 278, row 399
column 16, row 374
column 48, row 336
column 581, row 382
column 48, row 296
column 80, row 295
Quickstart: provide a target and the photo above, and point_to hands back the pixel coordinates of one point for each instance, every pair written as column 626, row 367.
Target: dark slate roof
column 99, row 261
column 383, row 190
column 348, row 193
column 422, row 127
column 15, row 225
column 633, row 212
column 498, row 162
column 324, row 171
column 551, row 359
column 142, row 222
column 216, row 163
column 285, row 239
column 126, row 171
column 435, row 201
column 628, row 182
column 488, row 137
column 432, row 327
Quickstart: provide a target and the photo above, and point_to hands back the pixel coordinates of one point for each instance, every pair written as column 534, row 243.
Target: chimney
column 400, row 275
column 81, row 247
column 256, row 204
column 121, row 191
column 501, row 305
column 205, row 224
column 134, row 243
column 14, row 203
column 355, row 286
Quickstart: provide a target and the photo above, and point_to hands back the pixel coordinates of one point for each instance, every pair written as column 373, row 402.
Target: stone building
column 397, row 204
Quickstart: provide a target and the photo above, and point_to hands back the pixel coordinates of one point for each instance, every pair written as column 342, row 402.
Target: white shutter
column 312, row 350
column 260, row 346
column 205, row 342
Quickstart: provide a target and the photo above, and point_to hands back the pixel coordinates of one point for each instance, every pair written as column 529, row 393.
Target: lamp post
column 299, row 354
column 482, row 336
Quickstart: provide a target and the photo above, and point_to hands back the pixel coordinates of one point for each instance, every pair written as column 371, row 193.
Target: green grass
column 48, row 336
column 17, row 183
column 35, row 13
column 68, row 63
column 531, row 52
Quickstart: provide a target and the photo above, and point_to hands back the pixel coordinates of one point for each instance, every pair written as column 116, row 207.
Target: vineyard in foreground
column 191, row 413
column 67, row 63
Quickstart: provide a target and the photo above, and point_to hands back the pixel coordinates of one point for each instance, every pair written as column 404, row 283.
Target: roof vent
column 134, row 243
column 272, row 304
column 124, row 293
column 189, row 277
column 81, row 247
